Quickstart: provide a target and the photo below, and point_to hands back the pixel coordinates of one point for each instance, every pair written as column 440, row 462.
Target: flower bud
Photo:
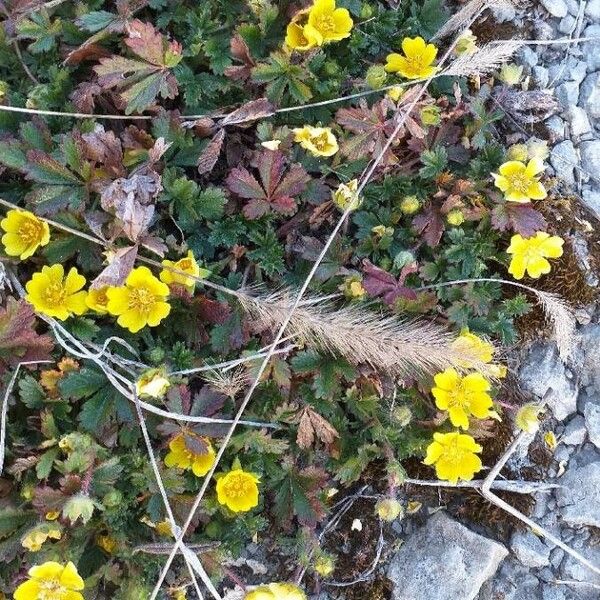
column 527, row 418
column 466, row 43
column 455, row 217
column 402, row 415
column 395, row 93
column 78, row 507
column 410, row 205
column 352, row 287
column 376, row 77
column 324, row 565
column 518, row 152
column 510, row 74
column 346, row 196
column 152, row 383
column 431, row 115
column 389, row 509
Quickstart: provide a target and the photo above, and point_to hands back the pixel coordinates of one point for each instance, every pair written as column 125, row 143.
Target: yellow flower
column 51, row 581
column 550, row 440
column 276, row 591
column 518, row 181
column 152, row 383
column 238, row 490
column 187, row 265
column 296, row 36
column 466, row 43
column 326, row 23
column 454, row 456
column 97, row 299
column 52, row 515
column 511, row 73
column 477, row 349
column 353, row 287
column 395, row 93
column 164, row 528
column 25, row 233
column 107, row 543
column 346, row 196
column 409, row 205
column 462, row 396
column 388, row 509
column 431, row 115
column 35, row 538
column 191, row 451
column 417, row 60
column 324, row 565
column 55, row 295
column 455, row 217
column 527, row 418
column 530, row 254
column 140, row 302
column 319, row 141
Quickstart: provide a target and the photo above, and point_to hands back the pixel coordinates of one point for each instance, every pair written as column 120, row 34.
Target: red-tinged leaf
column 520, row 218
column 270, row 167
column 241, row 52
column 145, row 41
column 42, row 168
column 312, row 424
column 294, row 182
column 113, row 72
column 431, row 224
column 242, row 183
column 212, row 311
column 19, row 340
column 154, row 244
column 210, row 154
column 256, row 208
column 84, row 96
column 104, row 149
column 86, row 52
column 378, row 282
column 251, row 111
column 118, row 269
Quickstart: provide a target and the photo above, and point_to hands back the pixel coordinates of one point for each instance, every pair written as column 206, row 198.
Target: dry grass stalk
column 562, row 318
column 230, row 383
column 463, row 17
column 486, row 59
column 400, row 348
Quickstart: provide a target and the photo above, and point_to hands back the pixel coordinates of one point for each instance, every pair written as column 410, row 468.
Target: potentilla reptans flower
column 97, row 299
column 141, row 301
column 417, row 61
column 462, row 396
column 187, row 265
column 454, row 456
column 53, row 294
column 51, row 581
column 527, row 417
column 477, row 349
column 191, row 452
column 529, row 255
column 276, row 591
column 326, row 23
column 153, row 383
column 295, row 36
column 25, row 233
column 345, row 196
column 35, row 538
column 238, row 490
column 519, row 181
column 319, row 141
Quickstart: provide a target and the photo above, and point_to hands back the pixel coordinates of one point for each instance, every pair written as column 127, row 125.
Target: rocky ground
column 446, row 560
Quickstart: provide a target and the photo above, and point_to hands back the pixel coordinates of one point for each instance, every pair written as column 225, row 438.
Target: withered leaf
column 210, row 154
column 255, row 109
column 431, row 224
column 84, row 96
column 241, row 52
column 378, row 282
column 312, row 424
column 118, row 269
column 521, row 218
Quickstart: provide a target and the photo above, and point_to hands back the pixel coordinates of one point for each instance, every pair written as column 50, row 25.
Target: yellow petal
column 70, row 578
column 538, row 267
column 536, row 191
column 517, row 267
column 49, row 570
column 28, row 590
column 458, row 417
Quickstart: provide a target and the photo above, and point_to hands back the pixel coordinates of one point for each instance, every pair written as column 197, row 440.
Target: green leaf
column 12, row 155
column 434, row 162
column 96, row 20
column 83, row 383
column 44, row 465
column 31, row 392
column 96, row 411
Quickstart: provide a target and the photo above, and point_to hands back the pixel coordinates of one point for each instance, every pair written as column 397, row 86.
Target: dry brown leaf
column 118, row 268
column 255, row 109
column 312, row 423
column 210, row 154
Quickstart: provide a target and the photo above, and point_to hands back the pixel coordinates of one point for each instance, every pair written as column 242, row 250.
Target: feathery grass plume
column 486, row 59
column 402, row 348
column 229, row 383
column 562, row 318
column 461, row 18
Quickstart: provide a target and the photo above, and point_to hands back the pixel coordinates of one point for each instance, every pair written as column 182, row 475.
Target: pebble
column 579, row 122
column 564, row 159
column 557, row 8
column 578, row 498
column 530, row 549
column 592, row 422
column 567, row 93
column 527, row 56
column 573, row 7
column 591, row 50
column 540, row 76
column 556, row 129
column 592, row 9
column 591, row 198
column 589, row 95
column 574, row 431
column 590, row 158
column 567, row 25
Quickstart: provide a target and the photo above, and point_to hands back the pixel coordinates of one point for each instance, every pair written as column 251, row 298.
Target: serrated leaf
column 45, row 462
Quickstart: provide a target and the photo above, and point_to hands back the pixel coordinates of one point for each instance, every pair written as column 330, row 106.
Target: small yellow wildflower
column 550, row 440
column 519, row 181
column 152, row 383
column 324, row 565
column 36, row 537
column 353, row 287
column 319, row 141
column 97, row 299
column 52, row 515
column 477, row 349
column 527, row 417
column 187, row 265
column 326, row 23
column 376, row 76
column 53, row 294
column 395, row 93
column 454, row 456
column 51, row 581
column 276, row 591
column 380, row 231
column 466, row 43
column 417, row 60
column 191, row 451
column 164, row 528
column 455, row 217
column 107, row 543
column 25, row 233
column 462, row 396
column 296, row 37
column 238, row 490
column 511, row 73
column 409, row 205
column 530, row 254
column 140, row 302
column 345, row 196
column 388, row 509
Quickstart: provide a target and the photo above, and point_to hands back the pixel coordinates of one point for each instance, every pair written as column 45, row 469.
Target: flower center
column 415, row 63
column 325, row 23
column 459, row 396
column 30, row 231
column 185, row 264
column 320, row 141
column 52, row 590
column 54, row 294
column 520, row 182
column 237, row 486
column 141, row 299
column 102, row 298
